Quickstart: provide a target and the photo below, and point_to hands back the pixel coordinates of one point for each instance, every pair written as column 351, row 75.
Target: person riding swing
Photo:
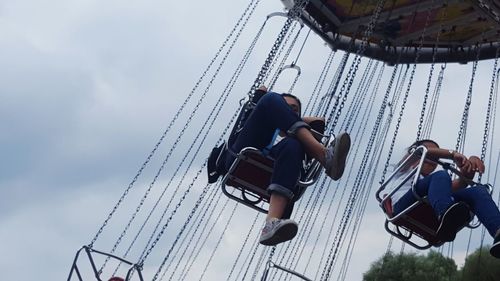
column 280, row 113
column 452, row 200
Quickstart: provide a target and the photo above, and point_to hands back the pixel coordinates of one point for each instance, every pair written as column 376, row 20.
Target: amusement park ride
column 455, row 28
column 397, row 32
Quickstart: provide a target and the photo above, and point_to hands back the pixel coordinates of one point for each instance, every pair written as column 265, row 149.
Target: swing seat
column 250, row 175
column 418, row 219
column 85, row 266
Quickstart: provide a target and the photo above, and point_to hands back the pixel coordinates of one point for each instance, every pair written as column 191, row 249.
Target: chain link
column 293, row 14
column 323, row 107
column 488, row 111
column 431, row 71
column 319, row 84
column 405, row 98
column 172, row 122
column 465, row 115
column 346, row 86
column 277, row 73
column 435, row 98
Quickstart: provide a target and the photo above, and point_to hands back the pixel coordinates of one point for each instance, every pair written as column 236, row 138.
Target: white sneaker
column 336, row 155
column 278, row 231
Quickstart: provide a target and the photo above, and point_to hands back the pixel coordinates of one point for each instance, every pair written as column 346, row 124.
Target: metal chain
column 468, row 100
column 259, row 263
column 146, row 253
column 172, row 122
column 403, row 105
column 191, row 214
column 435, row 99
column 431, row 71
column 250, row 257
column 426, row 96
column 332, row 89
column 219, row 240
column 488, row 110
column 346, row 86
column 225, row 95
column 349, row 207
column 359, row 94
column 235, row 77
column 293, row 14
column 209, row 209
column 177, row 141
column 277, row 73
column 305, row 219
column 319, row 84
column 358, row 135
column 240, row 252
column 355, row 109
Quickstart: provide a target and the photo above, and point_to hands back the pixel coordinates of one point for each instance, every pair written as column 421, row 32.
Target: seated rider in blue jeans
column 451, row 200
column 274, row 111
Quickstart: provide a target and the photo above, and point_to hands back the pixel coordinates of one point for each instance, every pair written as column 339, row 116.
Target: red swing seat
column 418, row 219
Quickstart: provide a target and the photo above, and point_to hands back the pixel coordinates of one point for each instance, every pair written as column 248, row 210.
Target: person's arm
column 476, row 166
column 459, row 159
column 310, row 119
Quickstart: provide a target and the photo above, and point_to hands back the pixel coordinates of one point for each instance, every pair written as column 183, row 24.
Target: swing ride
column 455, row 29
column 385, row 35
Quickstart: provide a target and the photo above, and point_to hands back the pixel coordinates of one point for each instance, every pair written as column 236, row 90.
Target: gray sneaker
column 336, row 155
column 278, row 231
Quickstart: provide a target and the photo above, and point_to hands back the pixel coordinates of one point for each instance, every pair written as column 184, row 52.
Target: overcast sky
column 86, row 90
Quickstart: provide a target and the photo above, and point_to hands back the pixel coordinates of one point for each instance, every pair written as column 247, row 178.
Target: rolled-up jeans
column 271, row 113
column 437, row 187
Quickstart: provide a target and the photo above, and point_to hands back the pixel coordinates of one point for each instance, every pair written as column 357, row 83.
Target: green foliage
column 480, row 266
column 412, row 267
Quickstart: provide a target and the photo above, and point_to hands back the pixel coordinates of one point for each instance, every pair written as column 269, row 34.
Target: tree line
column 478, row 266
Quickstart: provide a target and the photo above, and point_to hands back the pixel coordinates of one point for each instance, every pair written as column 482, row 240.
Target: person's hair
column 413, row 146
column 419, row 143
column 296, row 98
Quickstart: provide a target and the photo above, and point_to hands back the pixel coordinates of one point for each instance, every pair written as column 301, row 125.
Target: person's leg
column 271, row 113
column 277, row 206
column 439, row 191
column 288, row 155
column 311, row 145
column 408, row 198
column 437, row 187
column 452, row 215
column 480, row 202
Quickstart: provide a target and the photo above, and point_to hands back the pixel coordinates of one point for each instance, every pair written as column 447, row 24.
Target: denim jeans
column 271, row 113
column 437, row 186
